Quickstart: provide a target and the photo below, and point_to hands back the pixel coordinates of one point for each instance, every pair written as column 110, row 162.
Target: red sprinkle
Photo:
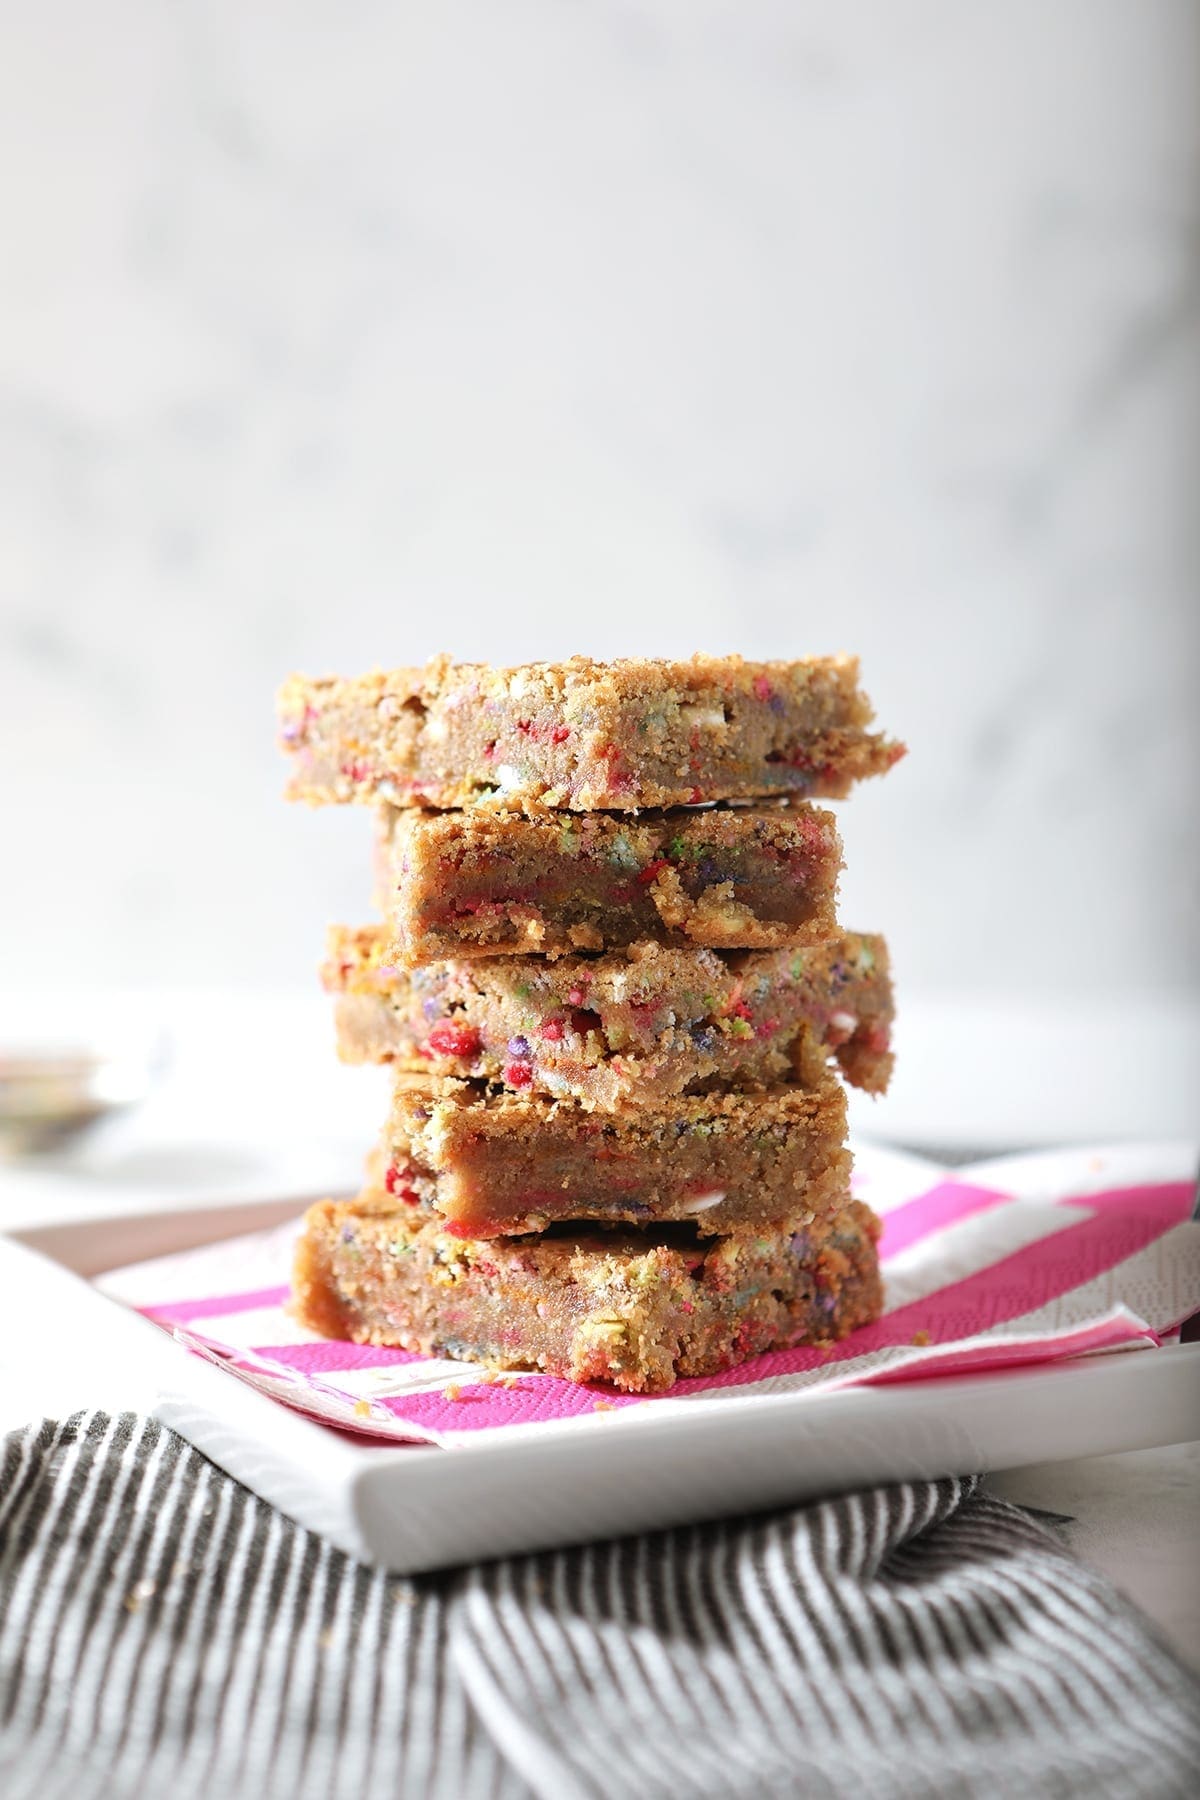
column 449, row 1038
column 762, row 687
column 395, row 1183
column 739, row 1010
column 576, row 996
column 552, row 1031
column 560, row 734
column 650, row 872
column 697, row 796
column 518, row 1074
column 356, row 771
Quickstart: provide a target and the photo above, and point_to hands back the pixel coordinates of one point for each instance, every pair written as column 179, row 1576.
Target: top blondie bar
column 583, row 736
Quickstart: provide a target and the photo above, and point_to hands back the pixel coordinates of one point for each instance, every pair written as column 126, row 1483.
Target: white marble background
column 334, row 334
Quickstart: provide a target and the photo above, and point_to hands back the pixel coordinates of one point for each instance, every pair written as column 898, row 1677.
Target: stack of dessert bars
column 612, row 986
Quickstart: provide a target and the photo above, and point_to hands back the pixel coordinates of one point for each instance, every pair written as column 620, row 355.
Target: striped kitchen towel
column 165, row 1632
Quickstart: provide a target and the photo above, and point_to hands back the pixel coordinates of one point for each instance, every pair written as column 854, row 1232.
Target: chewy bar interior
column 583, row 735
column 510, row 1164
column 637, row 1310
column 624, row 1029
column 476, row 883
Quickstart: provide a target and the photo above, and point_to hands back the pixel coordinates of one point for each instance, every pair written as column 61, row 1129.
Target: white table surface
column 253, row 1105
column 1136, row 1518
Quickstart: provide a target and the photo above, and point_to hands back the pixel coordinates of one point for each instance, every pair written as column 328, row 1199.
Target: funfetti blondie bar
column 633, row 1309
column 477, row 883
column 583, row 735
column 624, row 1029
column 499, row 1165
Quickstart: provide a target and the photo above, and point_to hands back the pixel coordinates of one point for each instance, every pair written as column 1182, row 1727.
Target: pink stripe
column 330, row 1356
column 179, row 1312
column 1105, row 1336
column 483, row 1407
column 480, row 1407
column 943, row 1205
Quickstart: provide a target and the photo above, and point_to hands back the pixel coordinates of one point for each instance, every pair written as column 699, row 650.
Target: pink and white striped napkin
column 1029, row 1259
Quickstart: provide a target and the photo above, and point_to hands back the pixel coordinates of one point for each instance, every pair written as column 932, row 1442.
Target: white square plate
column 523, row 1487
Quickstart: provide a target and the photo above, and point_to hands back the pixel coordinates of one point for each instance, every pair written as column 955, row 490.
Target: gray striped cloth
column 164, row 1632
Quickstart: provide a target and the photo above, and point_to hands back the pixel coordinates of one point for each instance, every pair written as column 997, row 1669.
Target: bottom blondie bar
column 634, row 1309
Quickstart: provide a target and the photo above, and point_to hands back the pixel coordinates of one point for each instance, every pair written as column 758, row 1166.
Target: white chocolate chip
column 707, row 718
column 703, row 1202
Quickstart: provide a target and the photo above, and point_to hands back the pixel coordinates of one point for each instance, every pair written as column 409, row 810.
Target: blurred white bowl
column 63, row 1070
